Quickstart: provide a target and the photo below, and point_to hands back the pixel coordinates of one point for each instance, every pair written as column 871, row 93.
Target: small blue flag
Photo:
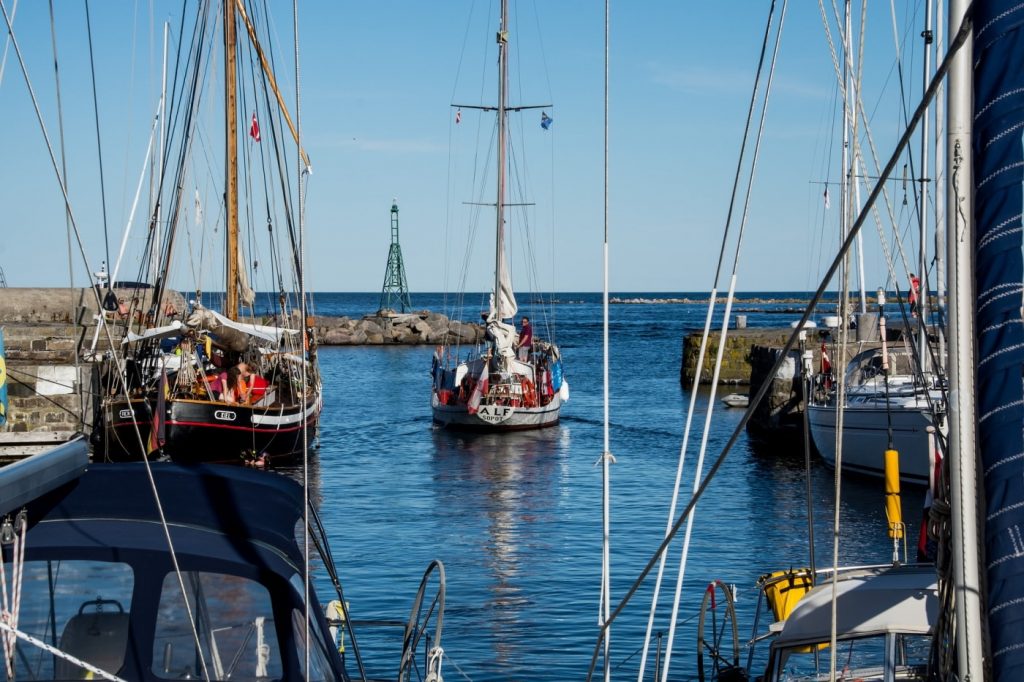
column 545, row 120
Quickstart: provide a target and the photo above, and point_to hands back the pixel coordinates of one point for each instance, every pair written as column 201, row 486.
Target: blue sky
column 378, row 82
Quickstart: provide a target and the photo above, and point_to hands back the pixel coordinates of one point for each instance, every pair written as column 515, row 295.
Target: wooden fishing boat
column 201, row 385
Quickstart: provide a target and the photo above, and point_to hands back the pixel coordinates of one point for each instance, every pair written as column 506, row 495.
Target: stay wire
column 940, row 73
column 187, row 109
column 277, row 136
column 857, row 148
column 604, row 605
column 99, row 145
column 705, row 336
column 67, row 216
column 723, row 334
column 277, row 275
column 7, row 44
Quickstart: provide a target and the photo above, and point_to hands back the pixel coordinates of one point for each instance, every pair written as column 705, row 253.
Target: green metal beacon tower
column 396, row 290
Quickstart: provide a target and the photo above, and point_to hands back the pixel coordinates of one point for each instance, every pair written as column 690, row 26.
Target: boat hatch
column 884, row 623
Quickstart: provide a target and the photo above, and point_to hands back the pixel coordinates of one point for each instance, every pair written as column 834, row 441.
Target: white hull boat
column 513, row 400
column 875, row 404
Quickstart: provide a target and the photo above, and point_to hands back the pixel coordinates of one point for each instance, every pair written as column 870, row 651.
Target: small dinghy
column 736, row 400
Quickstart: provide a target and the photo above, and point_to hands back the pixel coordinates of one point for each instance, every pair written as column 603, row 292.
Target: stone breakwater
column 423, row 327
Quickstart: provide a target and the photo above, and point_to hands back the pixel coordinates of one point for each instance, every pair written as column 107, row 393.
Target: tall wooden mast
column 231, row 163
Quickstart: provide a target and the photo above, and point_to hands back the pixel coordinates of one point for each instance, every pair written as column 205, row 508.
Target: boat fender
column 335, row 615
column 563, row 392
column 556, row 375
column 460, row 373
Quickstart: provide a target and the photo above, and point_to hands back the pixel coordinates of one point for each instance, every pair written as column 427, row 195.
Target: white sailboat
column 493, row 389
column 883, row 410
column 892, row 397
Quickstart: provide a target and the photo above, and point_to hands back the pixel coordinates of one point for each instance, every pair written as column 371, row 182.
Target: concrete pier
column 749, row 356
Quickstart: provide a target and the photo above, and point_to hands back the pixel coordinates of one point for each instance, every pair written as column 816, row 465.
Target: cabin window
column 235, row 626
column 318, row 661
column 861, row 659
column 82, row 608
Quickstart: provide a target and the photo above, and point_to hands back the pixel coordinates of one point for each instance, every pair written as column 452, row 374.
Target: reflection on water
column 509, row 480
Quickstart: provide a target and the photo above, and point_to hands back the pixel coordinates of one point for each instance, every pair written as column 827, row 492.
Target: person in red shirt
column 525, row 343
column 915, row 287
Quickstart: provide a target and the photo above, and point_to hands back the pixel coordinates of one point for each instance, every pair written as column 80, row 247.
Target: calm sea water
column 516, row 519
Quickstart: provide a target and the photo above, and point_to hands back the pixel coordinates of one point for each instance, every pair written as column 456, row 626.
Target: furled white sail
column 504, row 334
column 506, row 307
column 245, row 293
column 204, row 318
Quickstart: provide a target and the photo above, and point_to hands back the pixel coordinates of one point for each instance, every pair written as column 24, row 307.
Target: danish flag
column 254, row 129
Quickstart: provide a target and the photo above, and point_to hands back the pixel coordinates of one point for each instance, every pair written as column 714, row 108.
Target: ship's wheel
column 718, row 642
column 423, row 629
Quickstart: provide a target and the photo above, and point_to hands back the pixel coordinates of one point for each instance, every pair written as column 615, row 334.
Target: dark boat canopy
column 225, row 500
column 103, row 587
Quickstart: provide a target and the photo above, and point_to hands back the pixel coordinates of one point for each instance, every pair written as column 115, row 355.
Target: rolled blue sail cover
column 999, row 278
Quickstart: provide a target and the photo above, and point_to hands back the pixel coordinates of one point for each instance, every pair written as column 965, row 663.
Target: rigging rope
column 14, row 632
column 723, row 336
column 858, row 150
column 99, row 145
column 7, row 43
column 607, row 458
column 669, row 532
column 940, row 73
column 13, row 533
column 67, row 221
column 302, row 171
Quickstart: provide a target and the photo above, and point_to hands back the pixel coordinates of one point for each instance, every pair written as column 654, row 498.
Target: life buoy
column 529, row 393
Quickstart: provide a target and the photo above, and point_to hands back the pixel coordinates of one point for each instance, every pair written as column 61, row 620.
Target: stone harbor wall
column 418, row 328
column 43, row 380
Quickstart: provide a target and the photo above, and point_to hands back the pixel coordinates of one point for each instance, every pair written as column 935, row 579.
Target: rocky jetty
column 386, row 328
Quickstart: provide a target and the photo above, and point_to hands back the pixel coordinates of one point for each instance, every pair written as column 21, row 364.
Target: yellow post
column 893, row 509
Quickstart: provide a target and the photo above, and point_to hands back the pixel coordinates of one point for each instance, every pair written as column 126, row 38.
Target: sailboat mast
column 963, row 442
column 499, row 260
column 922, row 210
column 231, row 163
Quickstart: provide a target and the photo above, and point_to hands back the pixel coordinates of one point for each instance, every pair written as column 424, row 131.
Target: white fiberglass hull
column 516, row 396
column 865, row 439
column 497, row 417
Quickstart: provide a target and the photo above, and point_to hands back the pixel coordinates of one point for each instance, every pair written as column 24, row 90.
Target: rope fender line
column 12, row 533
